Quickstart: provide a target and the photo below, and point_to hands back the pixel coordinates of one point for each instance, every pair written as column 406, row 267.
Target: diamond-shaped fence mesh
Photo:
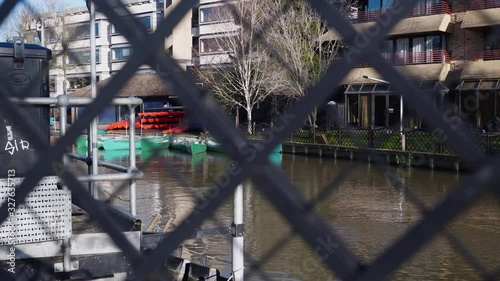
column 249, row 160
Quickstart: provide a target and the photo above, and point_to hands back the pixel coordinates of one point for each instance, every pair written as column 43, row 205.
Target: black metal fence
column 416, row 140
column 268, row 178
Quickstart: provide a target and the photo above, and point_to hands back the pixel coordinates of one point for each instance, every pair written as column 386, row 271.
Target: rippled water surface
column 365, row 210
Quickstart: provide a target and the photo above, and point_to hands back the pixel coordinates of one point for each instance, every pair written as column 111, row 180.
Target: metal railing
column 484, row 4
column 411, row 58
column 421, row 9
column 329, row 246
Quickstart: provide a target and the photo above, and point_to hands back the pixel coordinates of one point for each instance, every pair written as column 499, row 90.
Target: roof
column 411, row 25
column 383, row 88
column 139, row 85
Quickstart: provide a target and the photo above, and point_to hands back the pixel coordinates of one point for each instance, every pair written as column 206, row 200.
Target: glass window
column 78, row 82
column 52, row 84
column 77, row 57
column 146, row 21
column 153, row 104
column 211, row 45
column 108, row 115
column 123, row 53
column 214, row 14
column 81, row 31
column 50, row 35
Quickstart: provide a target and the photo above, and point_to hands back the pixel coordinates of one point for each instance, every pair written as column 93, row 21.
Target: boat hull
column 214, row 146
column 119, row 144
column 155, row 143
column 195, row 147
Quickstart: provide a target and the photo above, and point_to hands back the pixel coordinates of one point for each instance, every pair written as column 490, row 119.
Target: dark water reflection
column 366, row 211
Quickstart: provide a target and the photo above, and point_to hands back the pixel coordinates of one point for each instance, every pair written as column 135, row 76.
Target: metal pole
column 66, row 245
column 132, row 167
column 42, row 32
column 238, row 242
column 401, row 109
column 93, row 125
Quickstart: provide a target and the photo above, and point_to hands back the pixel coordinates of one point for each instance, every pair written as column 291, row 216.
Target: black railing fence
column 475, row 150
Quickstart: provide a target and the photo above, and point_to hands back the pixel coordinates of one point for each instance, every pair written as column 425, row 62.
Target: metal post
column 93, row 125
column 132, row 167
column 238, row 242
column 42, row 32
column 66, row 245
column 401, row 109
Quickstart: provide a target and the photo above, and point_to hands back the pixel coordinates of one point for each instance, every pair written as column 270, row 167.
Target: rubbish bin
column 24, row 72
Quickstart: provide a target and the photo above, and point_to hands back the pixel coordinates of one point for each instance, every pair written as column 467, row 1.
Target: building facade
column 445, row 45
column 70, row 69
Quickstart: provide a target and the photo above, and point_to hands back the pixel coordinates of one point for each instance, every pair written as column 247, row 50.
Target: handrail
column 484, row 4
column 420, row 9
column 129, row 173
column 412, row 58
column 490, row 55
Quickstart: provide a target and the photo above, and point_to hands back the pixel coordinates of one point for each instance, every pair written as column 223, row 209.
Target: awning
column 387, row 89
column 481, row 18
column 479, row 85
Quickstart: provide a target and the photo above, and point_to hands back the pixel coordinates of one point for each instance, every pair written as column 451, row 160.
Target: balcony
column 421, row 9
column 484, row 4
column 411, row 58
column 482, row 13
column 487, row 55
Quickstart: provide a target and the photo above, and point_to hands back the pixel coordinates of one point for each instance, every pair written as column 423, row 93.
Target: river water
column 366, row 211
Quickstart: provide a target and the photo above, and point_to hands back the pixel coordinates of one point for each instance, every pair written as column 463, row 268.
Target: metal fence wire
column 268, row 178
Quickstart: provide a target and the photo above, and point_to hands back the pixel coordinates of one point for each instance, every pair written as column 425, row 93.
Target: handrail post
column 132, row 164
column 62, row 102
column 237, row 265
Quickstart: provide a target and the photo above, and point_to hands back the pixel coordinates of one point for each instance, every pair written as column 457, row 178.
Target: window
column 415, row 50
column 379, row 4
column 52, row 84
column 50, row 35
column 144, row 20
column 78, row 57
column 491, row 40
column 123, row 53
column 212, row 45
column 78, row 82
column 82, row 31
column 214, row 14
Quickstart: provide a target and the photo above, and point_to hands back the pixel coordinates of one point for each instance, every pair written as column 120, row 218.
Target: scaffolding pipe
column 104, row 164
column 112, row 177
column 72, row 101
column 238, row 242
column 132, row 166
column 93, row 87
column 62, row 102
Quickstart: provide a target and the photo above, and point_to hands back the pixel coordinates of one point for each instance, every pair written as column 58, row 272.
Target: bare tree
column 23, row 21
column 238, row 73
column 295, row 35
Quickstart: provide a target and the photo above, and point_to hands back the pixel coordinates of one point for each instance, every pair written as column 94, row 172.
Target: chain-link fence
column 323, row 239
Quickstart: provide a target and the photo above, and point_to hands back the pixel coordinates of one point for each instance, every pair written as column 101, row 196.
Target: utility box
column 24, row 72
column 46, row 213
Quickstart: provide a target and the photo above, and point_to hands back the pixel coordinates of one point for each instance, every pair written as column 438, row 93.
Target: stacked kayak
column 152, row 120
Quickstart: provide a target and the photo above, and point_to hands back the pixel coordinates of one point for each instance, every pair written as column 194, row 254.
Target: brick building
column 445, row 45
